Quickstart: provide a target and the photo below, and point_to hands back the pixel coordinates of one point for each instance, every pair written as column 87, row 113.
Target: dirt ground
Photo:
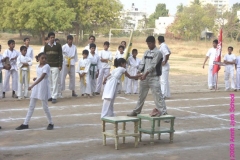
column 201, row 127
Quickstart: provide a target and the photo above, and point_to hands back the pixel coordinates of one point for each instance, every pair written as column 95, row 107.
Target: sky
column 150, row 5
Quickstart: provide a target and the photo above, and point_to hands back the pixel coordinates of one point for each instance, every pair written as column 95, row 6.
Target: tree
column 193, row 20
column 95, row 14
column 196, row 2
column 180, row 8
column 37, row 15
column 160, row 11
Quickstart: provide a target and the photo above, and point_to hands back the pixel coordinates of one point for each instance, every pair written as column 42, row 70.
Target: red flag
column 216, row 67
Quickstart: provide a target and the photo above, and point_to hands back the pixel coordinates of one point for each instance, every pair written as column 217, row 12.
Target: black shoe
column 50, row 127
column 54, row 101
column 74, row 94
column 50, row 99
column 22, row 127
column 3, row 95
column 0, row 127
column 96, row 93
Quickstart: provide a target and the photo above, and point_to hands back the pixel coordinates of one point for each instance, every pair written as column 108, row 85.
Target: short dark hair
column 56, row 39
column 39, row 55
column 121, row 47
column 134, row 50
column 161, row 39
column 118, row 62
column 86, row 52
column 46, row 38
column 150, row 39
column 230, row 47
column 124, row 42
column 92, row 37
column 106, row 43
column 11, row 41
column 22, row 48
column 70, row 37
column 92, row 45
column 51, row 34
column 24, row 40
column 215, row 41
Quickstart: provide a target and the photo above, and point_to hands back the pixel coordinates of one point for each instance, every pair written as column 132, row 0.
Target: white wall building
column 221, row 5
column 162, row 23
column 238, row 14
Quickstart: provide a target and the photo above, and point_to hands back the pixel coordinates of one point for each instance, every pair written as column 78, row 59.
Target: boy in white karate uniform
column 211, row 54
column 133, row 63
column 123, row 83
column 70, row 57
column 12, row 54
column 237, row 66
column 106, row 59
column 229, row 60
column 91, row 40
column 94, row 69
column 83, row 71
column 23, row 63
column 29, row 49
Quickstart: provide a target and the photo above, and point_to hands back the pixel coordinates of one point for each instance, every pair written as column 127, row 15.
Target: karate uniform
column 132, row 85
column 105, row 68
column 41, row 91
column 30, row 52
column 83, row 67
column 70, row 57
column 23, row 75
column 1, row 76
column 151, row 62
column 238, row 72
column 123, row 84
column 110, row 91
column 94, row 67
column 87, row 48
column 211, row 78
column 12, row 72
column 229, row 72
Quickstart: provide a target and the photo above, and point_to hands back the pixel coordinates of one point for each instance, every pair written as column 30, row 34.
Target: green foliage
column 192, row 20
column 160, row 11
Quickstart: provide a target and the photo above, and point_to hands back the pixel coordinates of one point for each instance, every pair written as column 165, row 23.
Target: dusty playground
column 201, row 127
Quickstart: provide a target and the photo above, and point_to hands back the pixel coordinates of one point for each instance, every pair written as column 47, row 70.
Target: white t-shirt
column 105, row 55
column 211, row 54
column 238, row 61
column 230, row 58
column 164, row 50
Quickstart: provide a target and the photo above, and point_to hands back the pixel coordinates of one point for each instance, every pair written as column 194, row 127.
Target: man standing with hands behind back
column 53, row 51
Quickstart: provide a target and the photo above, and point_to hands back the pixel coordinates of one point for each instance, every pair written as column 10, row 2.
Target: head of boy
column 134, row 53
column 106, row 45
column 92, row 39
column 70, row 40
column 121, row 49
column 92, row 47
column 85, row 54
column 124, row 43
column 57, row 40
column 230, row 49
column 46, row 40
column 151, row 42
column 121, row 62
column 23, row 50
column 26, row 41
column 161, row 39
column 51, row 37
column 215, row 43
column 11, row 44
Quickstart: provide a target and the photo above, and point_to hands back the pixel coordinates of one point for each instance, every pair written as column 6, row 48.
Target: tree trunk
column 237, row 36
column 77, row 33
column 42, row 39
column 20, row 32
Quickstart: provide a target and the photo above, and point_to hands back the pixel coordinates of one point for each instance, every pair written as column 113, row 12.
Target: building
column 238, row 14
column 221, row 5
column 133, row 18
column 162, row 23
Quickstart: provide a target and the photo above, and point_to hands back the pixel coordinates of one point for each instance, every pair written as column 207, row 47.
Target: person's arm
column 105, row 79
column 205, row 61
column 166, row 52
column 38, row 80
column 132, row 77
column 19, row 63
column 141, row 64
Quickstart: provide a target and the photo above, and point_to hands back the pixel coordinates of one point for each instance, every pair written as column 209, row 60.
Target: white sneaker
column 20, row 98
column 60, row 96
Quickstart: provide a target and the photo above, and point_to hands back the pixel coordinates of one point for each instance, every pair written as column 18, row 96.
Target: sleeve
column 86, row 70
column 124, row 70
column 29, row 61
column 19, row 64
column 208, row 53
column 46, row 69
column 60, row 56
column 5, row 54
column 225, row 57
column 78, row 66
column 156, row 58
column 142, row 63
column 165, row 50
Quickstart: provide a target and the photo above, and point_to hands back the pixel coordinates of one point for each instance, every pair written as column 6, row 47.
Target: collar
column 54, row 43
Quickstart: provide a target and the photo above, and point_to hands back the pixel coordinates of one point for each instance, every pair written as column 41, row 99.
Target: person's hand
column 34, row 79
column 60, row 68
column 163, row 63
column 104, row 82
column 143, row 77
column 102, row 60
column 29, row 88
column 203, row 66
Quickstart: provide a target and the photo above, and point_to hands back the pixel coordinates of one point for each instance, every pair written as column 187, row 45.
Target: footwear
column 23, row 126
column 132, row 114
column 0, row 127
column 60, row 96
column 50, row 127
column 3, row 95
column 13, row 94
column 74, row 94
column 50, row 99
column 20, row 98
column 83, row 95
column 166, row 121
column 155, row 113
column 227, row 89
column 96, row 93
column 54, row 101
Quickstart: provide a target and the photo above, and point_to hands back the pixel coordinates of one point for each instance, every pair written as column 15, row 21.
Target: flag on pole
column 216, row 66
column 129, row 47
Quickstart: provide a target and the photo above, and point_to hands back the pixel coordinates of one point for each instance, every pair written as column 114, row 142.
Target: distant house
column 162, row 23
column 238, row 14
